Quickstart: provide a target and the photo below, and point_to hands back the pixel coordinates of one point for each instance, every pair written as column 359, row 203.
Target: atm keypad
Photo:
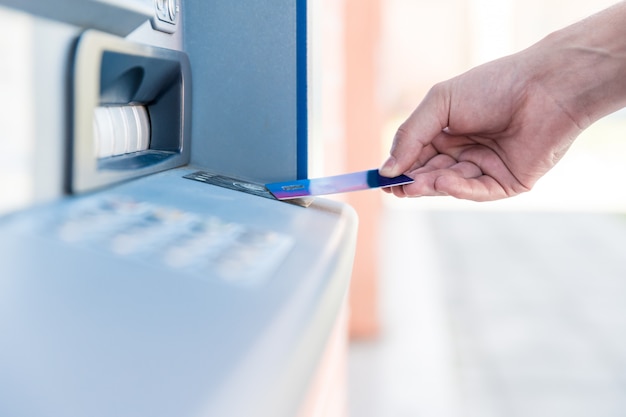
column 203, row 246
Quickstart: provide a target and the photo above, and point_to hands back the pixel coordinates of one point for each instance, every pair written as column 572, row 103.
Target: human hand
column 488, row 134
column 494, row 131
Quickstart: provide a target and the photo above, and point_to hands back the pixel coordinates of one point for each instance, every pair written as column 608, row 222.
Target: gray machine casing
column 150, row 294
column 250, row 84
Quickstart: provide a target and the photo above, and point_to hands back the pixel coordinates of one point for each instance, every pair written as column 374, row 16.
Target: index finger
column 423, row 125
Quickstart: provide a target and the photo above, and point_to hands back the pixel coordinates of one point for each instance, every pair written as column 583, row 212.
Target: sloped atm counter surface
column 168, row 297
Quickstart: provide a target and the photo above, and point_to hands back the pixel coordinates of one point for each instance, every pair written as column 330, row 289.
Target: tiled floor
column 497, row 314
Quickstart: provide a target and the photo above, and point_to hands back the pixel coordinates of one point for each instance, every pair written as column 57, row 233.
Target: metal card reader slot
column 131, row 111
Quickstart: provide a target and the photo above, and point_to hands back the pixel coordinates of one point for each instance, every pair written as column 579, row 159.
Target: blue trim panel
column 302, row 90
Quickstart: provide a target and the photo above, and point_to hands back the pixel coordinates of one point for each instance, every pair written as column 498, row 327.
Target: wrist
column 583, row 66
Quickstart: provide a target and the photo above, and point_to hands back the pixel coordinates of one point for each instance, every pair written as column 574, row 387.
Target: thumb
column 418, row 131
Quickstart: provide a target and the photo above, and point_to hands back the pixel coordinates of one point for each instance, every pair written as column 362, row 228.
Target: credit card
column 355, row 181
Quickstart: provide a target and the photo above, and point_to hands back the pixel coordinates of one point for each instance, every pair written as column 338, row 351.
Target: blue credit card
column 356, row 181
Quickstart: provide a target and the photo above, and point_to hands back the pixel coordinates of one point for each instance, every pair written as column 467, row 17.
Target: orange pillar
column 363, row 126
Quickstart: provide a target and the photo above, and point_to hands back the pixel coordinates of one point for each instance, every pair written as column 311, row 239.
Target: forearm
column 583, row 66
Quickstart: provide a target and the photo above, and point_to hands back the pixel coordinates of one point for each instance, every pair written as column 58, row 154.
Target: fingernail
column 388, row 167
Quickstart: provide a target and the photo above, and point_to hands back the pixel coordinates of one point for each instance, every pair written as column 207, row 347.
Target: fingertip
column 399, row 192
column 389, row 168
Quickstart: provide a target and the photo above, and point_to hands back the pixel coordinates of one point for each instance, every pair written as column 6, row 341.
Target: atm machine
column 147, row 272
